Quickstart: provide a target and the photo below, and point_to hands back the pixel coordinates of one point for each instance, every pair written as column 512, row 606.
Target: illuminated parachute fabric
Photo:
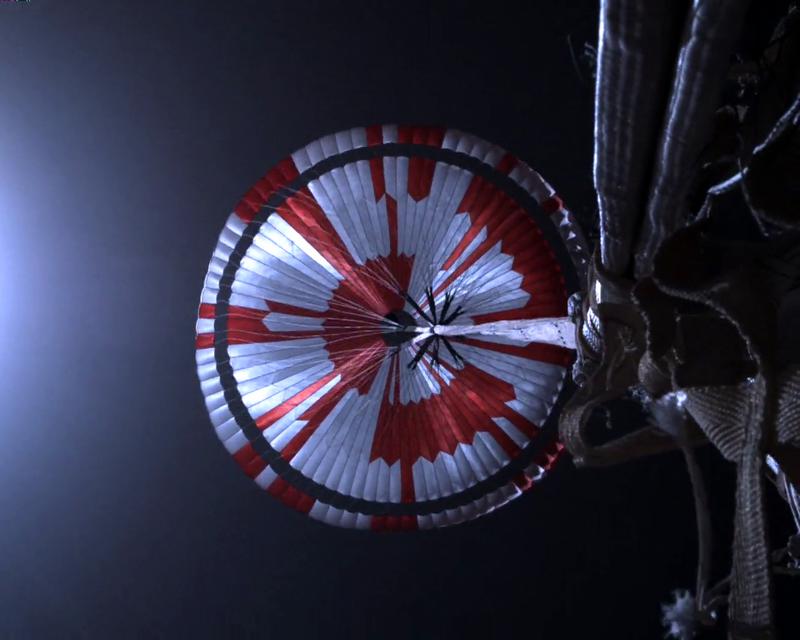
column 313, row 377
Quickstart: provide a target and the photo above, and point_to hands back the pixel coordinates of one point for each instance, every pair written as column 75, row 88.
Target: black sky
column 128, row 130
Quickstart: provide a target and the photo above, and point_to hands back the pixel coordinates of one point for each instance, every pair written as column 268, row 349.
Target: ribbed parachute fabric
column 321, row 344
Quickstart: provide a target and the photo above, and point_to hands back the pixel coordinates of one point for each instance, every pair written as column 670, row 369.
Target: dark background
column 128, row 130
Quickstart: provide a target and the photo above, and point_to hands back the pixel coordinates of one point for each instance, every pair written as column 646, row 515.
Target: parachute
column 382, row 340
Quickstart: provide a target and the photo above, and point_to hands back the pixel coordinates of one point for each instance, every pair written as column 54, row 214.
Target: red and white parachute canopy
column 368, row 343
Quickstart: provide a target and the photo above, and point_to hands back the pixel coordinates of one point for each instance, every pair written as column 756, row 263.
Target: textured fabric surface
column 722, row 411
